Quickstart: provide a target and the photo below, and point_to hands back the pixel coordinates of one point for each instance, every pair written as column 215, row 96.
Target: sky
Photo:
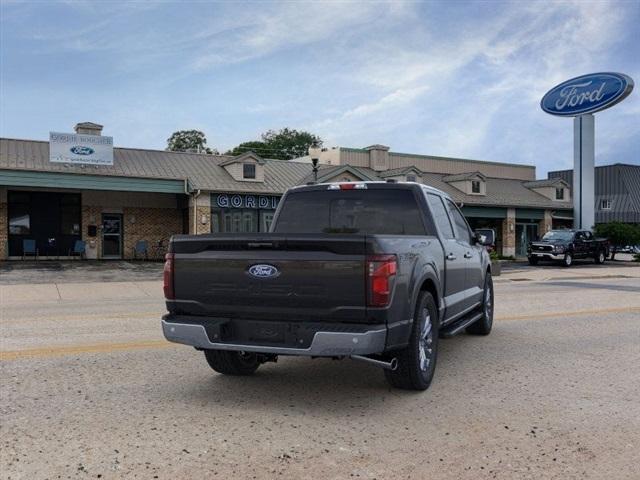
column 451, row 78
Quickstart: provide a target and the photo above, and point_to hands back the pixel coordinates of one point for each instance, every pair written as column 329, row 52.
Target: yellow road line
column 76, row 349
column 568, row 314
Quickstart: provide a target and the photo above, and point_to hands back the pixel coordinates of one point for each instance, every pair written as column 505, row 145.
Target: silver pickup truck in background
column 372, row 271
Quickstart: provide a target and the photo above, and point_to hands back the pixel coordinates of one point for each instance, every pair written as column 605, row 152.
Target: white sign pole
column 583, row 171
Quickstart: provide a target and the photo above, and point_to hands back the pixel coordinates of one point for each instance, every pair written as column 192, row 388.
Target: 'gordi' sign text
column 245, row 201
column 587, row 94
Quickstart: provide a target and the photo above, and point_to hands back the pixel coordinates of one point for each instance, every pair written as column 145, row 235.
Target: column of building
column 545, row 224
column 200, row 213
column 509, row 233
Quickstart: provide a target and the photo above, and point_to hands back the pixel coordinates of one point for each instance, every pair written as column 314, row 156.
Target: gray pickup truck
column 372, row 271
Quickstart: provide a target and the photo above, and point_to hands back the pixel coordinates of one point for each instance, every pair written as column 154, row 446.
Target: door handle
column 451, row 256
column 468, row 255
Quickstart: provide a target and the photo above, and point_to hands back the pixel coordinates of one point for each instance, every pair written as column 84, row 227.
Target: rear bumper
column 323, row 343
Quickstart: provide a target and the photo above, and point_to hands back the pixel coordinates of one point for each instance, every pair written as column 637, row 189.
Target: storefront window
column 19, row 220
column 70, row 219
column 52, row 219
column 19, row 217
column 239, row 213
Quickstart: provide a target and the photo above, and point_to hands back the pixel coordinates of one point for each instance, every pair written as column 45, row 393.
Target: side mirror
column 485, row 237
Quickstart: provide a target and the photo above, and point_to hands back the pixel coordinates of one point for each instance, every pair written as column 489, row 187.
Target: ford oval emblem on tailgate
column 263, row 270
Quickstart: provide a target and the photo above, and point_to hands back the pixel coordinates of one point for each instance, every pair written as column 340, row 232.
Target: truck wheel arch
column 429, row 284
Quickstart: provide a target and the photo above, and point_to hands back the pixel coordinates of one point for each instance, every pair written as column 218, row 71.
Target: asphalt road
column 90, row 390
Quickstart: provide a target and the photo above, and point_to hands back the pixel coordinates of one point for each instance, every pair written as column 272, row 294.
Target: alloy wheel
column 426, row 342
column 488, row 304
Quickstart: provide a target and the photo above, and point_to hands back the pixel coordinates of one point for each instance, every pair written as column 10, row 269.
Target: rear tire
column 568, row 260
column 417, row 362
column 483, row 326
column 232, row 363
column 600, row 257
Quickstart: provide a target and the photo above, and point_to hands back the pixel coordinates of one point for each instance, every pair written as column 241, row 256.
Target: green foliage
column 284, row 144
column 494, row 256
column 189, row 141
column 619, row 234
column 259, row 148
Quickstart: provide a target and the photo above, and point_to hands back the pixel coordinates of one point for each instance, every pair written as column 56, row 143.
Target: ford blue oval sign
column 587, row 94
column 263, row 271
column 80, row 150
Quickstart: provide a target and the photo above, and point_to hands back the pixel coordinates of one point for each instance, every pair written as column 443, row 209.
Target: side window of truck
column 440, row 215
column 462, row 228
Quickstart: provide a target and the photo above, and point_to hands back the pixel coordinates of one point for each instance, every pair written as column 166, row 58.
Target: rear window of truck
column 384, row 211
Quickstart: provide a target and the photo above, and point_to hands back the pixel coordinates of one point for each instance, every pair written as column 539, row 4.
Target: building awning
column 484, row 212
column 529, row 213
column 28, row 178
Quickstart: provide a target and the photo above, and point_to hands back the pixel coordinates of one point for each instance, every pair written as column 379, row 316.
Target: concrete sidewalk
column 41, row 293
column 59, row 272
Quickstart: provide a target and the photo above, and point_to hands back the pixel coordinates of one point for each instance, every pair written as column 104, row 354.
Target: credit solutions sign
column 80, row 149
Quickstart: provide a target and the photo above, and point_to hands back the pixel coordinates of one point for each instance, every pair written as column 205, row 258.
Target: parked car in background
column 628, row 249
column 373, row 271
column 565, row 246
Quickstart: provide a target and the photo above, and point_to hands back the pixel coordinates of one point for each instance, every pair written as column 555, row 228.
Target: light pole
column 314, row 153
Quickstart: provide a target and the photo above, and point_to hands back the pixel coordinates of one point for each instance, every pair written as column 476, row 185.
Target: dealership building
column 114, row 198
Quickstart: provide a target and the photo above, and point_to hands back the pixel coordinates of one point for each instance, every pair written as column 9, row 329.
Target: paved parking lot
column 91, row 390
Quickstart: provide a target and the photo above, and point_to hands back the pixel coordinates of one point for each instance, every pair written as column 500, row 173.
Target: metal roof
column 205, row 172
column 201, row 170
column 463, row 176
column 499, row 191
column 399, row 171
column 547, row 182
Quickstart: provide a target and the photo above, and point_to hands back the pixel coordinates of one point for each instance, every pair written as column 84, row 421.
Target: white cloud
column 484, row 81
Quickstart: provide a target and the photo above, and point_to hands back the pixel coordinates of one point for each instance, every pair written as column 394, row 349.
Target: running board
column 459, row 325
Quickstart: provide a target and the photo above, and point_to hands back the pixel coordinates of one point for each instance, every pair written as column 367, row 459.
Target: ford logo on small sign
column 587, row 94
column 79, row 150
column 263, row 271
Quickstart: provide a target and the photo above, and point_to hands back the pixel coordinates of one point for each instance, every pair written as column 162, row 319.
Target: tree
column 288, row 144
column 284, row 144
column 619, row 234
column 257, row 147
column 188, row 141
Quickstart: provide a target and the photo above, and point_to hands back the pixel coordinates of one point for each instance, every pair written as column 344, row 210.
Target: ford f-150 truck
column 373, row 271
column 565, row 246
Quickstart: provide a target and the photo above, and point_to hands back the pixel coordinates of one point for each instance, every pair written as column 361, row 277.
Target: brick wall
column 91, row 215
column 202, row 213
column 152, row 225
column 139, row 223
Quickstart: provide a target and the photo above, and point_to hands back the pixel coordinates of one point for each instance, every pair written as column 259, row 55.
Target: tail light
column 381, row 270
column 167, row 276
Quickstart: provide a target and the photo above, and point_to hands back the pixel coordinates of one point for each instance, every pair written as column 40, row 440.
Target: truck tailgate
column 294, row 277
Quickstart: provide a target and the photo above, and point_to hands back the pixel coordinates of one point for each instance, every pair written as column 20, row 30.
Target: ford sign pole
column 583, row 171
column 580, row 97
